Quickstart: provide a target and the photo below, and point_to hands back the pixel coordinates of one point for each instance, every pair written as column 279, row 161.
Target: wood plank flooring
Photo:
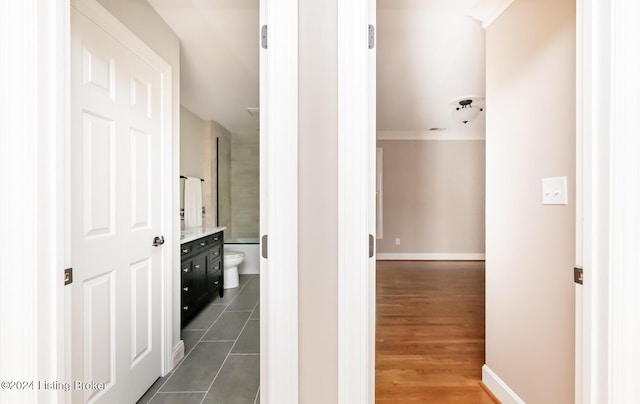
column 430, row 332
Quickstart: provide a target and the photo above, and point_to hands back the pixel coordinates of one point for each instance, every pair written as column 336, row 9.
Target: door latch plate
column 68, row 276
column 577, row 275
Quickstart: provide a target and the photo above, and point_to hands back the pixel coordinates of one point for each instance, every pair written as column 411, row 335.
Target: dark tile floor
column 222, row 353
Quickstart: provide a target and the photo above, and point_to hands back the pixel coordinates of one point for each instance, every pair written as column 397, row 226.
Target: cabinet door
column 216, row 252
column 199, row 280
column 186, row 304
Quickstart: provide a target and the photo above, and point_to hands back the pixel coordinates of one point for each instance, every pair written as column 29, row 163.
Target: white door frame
column 606, row 334
column 34, row 165
column 592, row 225
column 36, row 162
column 607, row 143
column 356, row 202
column 33, row 115
column 279, row 203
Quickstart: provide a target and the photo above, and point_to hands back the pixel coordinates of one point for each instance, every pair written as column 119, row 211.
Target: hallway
column 430, row 332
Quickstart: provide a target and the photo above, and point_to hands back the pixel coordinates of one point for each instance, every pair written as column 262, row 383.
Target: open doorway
column 53, row 95
column 219, row 145
column 430, row 125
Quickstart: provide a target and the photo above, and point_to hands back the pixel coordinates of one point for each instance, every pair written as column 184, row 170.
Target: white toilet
column 231, row 261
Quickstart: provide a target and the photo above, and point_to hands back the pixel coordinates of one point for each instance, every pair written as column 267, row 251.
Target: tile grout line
column 255, row 400
column 159, row 387
column 194, row 346
column 230, row 350
column 214, row 322
column 226, row 311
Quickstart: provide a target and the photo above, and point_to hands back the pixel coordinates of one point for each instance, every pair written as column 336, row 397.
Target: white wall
column 530, row 248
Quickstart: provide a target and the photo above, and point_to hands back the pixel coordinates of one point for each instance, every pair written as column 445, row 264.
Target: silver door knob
column 158, row 241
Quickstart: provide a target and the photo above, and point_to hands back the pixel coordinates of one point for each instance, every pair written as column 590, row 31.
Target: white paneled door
column 116, row 125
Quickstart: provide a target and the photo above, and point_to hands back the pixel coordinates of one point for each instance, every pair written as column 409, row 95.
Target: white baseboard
column 178, row 353
column 499, row 388
column 430, row 257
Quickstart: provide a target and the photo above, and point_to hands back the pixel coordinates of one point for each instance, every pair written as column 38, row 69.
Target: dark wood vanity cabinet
column 202, row 274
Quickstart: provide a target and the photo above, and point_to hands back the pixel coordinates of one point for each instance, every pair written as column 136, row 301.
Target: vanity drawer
column 215, row 265
column 207, row 242
column 215, row 253
column 186, row 288
column 216, row 237
column 186, row 248
column 217, row 280
column 186, row 268
column 201, row 243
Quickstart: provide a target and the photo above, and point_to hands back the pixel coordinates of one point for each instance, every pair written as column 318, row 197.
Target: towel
column 192, row 202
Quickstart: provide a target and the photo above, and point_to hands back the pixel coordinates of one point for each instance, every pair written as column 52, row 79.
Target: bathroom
column 229, row 166
column 220, row 115
column 220, row 167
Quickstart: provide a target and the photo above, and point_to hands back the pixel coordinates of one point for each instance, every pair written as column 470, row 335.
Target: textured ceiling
column 428, row 53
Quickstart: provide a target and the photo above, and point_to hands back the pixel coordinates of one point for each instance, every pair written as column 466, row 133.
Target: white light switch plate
column 554, row 191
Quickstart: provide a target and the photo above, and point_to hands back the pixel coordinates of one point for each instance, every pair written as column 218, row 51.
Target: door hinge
column 372, row 245
column 68, row 276
column 372, row 36
column 265, row 246
column 264, row 37
column 578, row 275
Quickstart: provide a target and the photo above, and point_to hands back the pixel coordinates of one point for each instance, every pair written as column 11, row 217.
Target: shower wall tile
column 224, row 177
column 208, row 168
column 245, row 185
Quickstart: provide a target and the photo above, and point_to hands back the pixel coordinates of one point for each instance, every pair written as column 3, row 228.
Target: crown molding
column 428, row 135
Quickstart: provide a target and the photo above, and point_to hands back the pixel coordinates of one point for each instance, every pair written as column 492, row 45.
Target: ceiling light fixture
column 467, row 108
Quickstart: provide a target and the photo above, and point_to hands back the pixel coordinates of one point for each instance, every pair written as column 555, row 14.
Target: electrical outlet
column 398, row 241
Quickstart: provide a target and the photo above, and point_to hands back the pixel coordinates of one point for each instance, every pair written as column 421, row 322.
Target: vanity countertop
column 197, row 232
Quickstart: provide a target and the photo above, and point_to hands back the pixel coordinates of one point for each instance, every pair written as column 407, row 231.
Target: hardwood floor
column 430, row 332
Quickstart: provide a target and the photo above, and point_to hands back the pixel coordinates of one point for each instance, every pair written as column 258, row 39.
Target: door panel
column 116, row 124
column 141, row 310
column 140, row 179
column 99, row 327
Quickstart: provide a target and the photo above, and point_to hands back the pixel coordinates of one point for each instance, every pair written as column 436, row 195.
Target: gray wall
column 433, row 196
column 531, row 95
